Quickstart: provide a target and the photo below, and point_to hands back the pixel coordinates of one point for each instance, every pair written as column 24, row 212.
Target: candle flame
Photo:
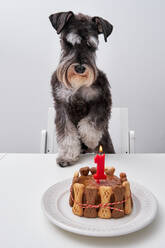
column 100, row 149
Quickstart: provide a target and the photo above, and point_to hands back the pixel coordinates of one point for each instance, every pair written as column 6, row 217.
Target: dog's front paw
column 64, row 162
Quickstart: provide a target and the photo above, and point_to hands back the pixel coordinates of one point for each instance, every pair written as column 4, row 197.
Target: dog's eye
column 92, row 42
column 89, row 44
column 91, row 47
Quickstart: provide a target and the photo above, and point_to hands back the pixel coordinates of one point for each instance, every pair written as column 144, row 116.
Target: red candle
column 100, row 161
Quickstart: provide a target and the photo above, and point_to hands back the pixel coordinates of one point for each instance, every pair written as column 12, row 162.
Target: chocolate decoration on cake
column 93, row 170
column 84, row 171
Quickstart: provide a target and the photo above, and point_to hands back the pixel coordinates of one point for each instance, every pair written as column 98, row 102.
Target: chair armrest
column 43, row 141
column 131, row 141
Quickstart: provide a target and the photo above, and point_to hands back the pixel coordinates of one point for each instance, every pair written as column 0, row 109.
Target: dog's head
column 79, row 42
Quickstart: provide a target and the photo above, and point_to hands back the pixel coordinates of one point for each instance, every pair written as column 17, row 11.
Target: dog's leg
column 69, row 145
column 92, row 136
column 89, row 133
column 106, row 142
column 93, row 129
column 68, row 141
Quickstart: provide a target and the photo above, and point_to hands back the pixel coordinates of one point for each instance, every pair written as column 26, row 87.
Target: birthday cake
column 91, row 196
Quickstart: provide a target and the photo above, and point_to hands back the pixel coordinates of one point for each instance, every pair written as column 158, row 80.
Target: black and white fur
column 80, row 90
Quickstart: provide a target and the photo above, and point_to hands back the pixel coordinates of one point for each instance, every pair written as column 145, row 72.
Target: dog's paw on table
column 64, row 162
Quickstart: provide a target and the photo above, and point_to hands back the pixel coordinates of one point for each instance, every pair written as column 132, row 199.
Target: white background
column 133, row 58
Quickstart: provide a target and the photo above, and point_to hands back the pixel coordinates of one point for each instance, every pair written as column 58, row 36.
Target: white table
column 25, row 177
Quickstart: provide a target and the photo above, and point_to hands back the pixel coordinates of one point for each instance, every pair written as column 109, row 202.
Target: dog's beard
column 62, row 70
column 67, row 75
column 78, row 80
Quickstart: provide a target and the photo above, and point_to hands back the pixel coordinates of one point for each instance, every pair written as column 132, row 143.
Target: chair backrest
column 118, row 128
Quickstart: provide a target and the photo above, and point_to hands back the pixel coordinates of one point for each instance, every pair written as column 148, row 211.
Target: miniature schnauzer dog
column 81, row 92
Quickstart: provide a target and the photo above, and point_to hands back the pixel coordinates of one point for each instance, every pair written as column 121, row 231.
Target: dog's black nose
column 79, row 68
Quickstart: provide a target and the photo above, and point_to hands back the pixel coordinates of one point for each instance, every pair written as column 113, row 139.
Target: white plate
column 55, row 204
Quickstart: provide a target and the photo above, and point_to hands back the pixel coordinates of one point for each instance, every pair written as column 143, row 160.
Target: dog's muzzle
column 79, row 75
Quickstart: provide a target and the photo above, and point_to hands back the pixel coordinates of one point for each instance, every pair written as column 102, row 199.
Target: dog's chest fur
column 77, row 102
column 77, row 109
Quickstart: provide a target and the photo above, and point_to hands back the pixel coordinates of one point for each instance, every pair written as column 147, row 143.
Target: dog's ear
column 103, row 26
column 59, row 20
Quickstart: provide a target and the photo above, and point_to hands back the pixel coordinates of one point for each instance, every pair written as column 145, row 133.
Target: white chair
column 123, row 139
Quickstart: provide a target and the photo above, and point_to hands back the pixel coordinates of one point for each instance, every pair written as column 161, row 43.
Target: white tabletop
column 25, row 177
